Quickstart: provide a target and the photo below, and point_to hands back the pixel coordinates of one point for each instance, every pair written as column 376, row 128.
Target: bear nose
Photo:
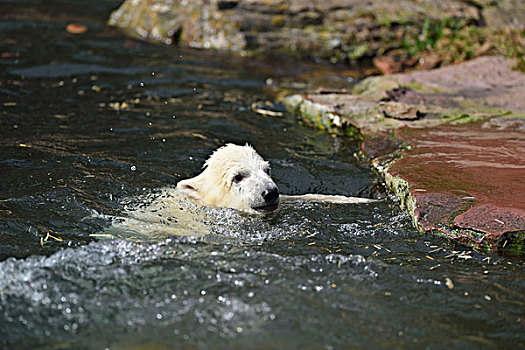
column 270, row 194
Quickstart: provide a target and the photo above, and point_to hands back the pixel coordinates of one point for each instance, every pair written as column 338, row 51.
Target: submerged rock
column 448, row 143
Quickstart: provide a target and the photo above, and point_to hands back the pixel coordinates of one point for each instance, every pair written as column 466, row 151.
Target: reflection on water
column 93, row 125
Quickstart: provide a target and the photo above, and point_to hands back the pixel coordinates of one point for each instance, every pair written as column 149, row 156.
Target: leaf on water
column 76, row 28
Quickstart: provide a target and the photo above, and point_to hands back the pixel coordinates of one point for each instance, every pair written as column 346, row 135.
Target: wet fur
column 184, row 210
column 215, row 185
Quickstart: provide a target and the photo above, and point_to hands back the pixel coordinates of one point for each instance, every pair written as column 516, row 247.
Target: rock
column 448, row 143
column 505, row 14
column 337, row 30
column 387, row 65
column 400, row 34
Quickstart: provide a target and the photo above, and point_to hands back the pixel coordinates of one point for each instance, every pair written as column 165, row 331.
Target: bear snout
column 271, row 194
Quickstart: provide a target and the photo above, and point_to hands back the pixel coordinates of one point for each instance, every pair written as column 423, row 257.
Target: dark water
column 312, row 276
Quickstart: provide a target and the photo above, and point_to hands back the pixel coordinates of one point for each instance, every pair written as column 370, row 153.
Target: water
column 314, row 276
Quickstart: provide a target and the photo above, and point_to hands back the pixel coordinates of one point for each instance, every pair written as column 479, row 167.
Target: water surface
column 95, row 124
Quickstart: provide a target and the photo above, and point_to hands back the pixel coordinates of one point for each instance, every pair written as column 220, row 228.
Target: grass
column 455, row 40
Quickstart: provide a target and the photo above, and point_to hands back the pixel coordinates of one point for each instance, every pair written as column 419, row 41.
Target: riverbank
column 448, row 143
column 396, row 36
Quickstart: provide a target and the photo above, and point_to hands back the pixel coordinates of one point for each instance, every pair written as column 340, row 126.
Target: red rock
column 387, row 65
column 492, row 219
column 450, row 144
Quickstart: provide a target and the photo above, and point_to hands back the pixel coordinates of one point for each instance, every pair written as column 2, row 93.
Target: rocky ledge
column 449, row 143
column 395, row 34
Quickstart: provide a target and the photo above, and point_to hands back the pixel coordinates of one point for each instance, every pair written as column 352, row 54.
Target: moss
column 320, row 116
column 358, row 51
column 464, row 118
column 508, row 244
column 277, row 20
column 375, row 86
column 511, row 244
column 397, row 186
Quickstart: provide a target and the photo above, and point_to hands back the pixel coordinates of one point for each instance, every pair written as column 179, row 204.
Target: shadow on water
column 94, row 124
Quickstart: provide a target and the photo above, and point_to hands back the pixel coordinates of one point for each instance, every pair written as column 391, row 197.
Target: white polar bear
column 237, row 177
column 234, row 177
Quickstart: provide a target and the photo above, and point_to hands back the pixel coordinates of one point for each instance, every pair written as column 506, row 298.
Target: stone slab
column 449, row 143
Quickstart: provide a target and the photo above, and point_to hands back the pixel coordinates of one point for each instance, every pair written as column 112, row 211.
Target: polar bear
column 237, row 177
column 234, row 177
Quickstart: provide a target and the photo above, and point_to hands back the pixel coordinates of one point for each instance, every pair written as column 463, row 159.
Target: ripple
column 63, row 70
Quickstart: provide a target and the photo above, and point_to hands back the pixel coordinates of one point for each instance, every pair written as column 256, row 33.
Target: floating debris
column 76, row 28
column 47, row 238
column 268, row 108
column 118, row 106
column 100, row 235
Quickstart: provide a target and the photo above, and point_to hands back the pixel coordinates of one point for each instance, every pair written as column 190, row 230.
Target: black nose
column 270, row 194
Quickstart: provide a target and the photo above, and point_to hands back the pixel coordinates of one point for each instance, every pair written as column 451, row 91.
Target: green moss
column 359, row 51
column 320, row 117
column 464, row 118
column 375, row 86
column 509, row 244
column 512, row 244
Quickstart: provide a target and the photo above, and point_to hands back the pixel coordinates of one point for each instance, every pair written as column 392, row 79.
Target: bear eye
column 238, row 178
column 268, row 171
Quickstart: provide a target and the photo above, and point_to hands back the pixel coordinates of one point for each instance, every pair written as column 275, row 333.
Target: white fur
column 170, row 212
column 328, row 198
column 217, row 185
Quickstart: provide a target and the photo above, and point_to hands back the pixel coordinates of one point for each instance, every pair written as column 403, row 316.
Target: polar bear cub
column 234, row 177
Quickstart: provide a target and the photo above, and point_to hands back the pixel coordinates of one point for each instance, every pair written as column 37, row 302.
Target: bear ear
column 189, row 188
